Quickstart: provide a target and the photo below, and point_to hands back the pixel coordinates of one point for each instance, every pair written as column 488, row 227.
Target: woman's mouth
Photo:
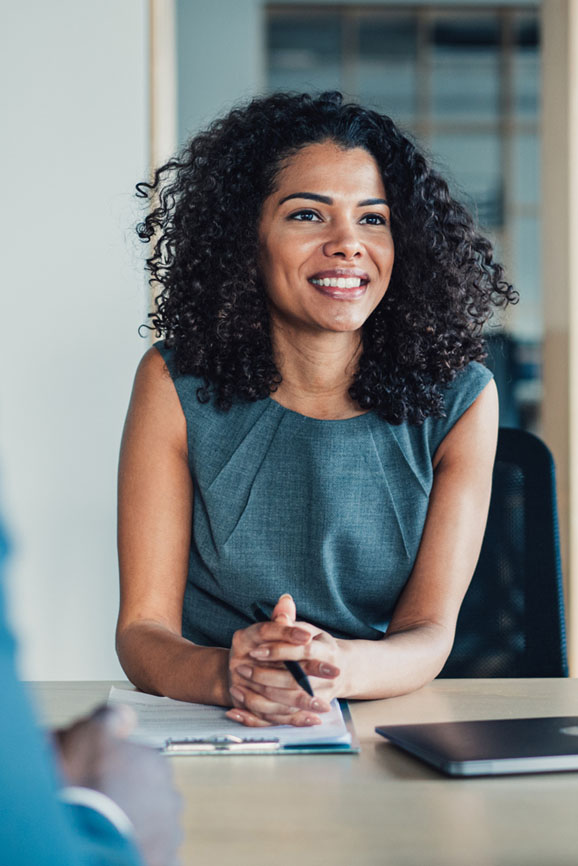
column 339, row 286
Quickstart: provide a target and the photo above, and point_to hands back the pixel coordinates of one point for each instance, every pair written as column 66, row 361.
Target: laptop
column 491, row 748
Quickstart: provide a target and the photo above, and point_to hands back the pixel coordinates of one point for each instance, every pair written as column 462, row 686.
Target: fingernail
column 300, row 634
column 237, row 694
column 245, row 671
column 319, row 706
column 237, row 717
column 260, row 653
column 328, row 670
column 286, row 595
column 311, row 720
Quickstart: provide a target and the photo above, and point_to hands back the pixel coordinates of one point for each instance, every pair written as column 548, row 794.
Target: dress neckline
column 310, row 418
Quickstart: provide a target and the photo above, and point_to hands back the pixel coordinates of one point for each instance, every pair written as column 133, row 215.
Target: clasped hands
column 262, row 690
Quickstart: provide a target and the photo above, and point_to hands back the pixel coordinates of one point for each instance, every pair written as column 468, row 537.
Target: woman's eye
column 374, row 219
column 304, row 216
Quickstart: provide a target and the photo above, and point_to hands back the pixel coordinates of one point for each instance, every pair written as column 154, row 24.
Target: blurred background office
column 97, row 93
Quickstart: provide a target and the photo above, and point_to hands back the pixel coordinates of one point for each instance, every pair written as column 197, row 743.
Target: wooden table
column 379, row 808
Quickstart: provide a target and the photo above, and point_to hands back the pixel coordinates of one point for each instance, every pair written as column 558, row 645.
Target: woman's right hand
column 285, row 703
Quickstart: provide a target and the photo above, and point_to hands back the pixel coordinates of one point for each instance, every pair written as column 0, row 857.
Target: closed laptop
column 491, row 747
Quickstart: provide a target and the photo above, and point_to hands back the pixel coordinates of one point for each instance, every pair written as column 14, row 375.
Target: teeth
column 339, row 282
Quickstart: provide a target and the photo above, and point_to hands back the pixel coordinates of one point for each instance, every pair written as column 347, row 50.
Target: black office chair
column 512, row 620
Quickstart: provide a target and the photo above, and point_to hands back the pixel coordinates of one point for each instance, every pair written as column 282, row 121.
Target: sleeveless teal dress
column 329, row 511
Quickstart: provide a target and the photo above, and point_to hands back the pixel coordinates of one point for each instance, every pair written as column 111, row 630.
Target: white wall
column 75, row 107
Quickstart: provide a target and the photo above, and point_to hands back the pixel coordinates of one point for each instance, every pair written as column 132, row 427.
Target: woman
column 316, row 425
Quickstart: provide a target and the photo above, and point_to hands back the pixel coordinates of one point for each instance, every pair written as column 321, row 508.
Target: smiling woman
column 315, row 434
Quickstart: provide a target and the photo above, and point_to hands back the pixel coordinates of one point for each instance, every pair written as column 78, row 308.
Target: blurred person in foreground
column 103, row 802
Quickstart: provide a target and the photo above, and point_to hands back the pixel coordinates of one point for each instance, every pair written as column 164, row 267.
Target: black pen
column 299, row 676
column 294, row 668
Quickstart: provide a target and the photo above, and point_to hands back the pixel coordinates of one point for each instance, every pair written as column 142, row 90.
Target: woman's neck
column 317, row 371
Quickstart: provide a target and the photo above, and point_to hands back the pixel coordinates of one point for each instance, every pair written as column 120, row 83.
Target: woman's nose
column 344, row 242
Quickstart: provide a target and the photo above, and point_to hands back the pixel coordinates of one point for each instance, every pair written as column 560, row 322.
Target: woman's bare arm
column 155, row 510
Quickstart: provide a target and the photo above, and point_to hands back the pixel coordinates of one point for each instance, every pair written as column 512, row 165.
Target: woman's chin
column 344, row 323
column 342, row 320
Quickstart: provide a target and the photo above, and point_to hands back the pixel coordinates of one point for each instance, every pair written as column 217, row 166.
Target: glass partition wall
column 465, row 83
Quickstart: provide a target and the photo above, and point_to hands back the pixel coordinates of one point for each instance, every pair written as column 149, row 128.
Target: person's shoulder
column 155, row 358
column 161, row 359
column 469, row 382
column 459, row 395
column 153, row 371
column 159, row 349
column 155, row 403
column 161, row 388
column 465, row 388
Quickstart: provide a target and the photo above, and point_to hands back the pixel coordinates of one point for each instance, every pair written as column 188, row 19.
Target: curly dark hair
column 212, row 304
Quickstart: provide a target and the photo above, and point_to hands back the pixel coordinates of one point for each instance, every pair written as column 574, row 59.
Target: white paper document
column 161, row 719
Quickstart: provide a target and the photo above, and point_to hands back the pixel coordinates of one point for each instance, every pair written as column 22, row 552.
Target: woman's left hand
column 258, row 683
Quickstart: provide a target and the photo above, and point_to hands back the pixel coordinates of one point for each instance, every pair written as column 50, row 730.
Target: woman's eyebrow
column 370, row 201
column 324, row 199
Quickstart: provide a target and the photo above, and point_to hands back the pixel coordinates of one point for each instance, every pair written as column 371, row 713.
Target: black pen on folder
column 294, row 668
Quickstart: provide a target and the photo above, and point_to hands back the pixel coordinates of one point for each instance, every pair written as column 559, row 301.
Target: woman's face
column 326, row 250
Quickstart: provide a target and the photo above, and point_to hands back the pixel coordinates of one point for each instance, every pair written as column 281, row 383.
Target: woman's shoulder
column 163, row 358
column 467, row 385
column 155, row 411
column 195, row 394
column 152, row 369
column 458, row 396
column 157, row 385
column 159, row 347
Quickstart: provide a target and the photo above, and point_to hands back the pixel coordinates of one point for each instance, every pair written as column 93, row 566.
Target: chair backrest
column 512, row 620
